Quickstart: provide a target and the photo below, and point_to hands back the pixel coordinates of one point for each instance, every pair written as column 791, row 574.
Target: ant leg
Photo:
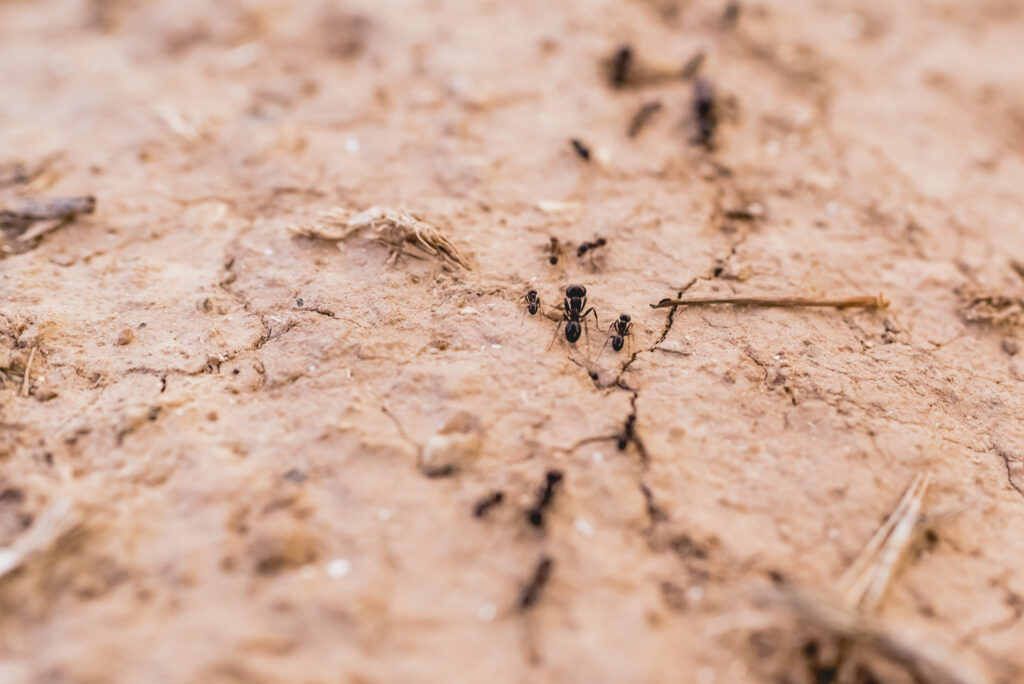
column 555, row 336
column 591, row 311
column 604, row 346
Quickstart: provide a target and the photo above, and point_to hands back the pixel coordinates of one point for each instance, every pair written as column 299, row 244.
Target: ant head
column 575, row 291
column 572, row 331
column 600, row 242
column 553, row 260
column 531, row 294
column 624, row 318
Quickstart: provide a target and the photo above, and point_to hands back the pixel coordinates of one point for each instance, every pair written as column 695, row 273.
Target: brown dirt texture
column 234, row 453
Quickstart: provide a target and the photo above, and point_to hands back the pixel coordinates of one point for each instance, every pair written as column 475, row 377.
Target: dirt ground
column 242, row 455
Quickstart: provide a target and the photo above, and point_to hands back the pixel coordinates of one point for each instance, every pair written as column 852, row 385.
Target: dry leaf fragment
column 390, row 226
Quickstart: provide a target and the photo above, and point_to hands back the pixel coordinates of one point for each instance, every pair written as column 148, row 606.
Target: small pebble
column 1011, row 346
column 339, row 567
column 125, row 337
column 584, row 527
column 486, row 612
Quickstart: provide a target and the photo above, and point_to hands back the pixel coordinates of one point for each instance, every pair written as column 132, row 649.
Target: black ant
column 705, row 111
column 530, row 592
column 532, row 302
column 487, row 503
column 621, row 329
column 553, row 249
column 587, row 246
column 591, row 247
column 581, row 149
column 573, row 314
column 628, row 432
column 535, row 515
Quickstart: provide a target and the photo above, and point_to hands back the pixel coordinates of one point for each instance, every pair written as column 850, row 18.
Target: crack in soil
column 1006, row 456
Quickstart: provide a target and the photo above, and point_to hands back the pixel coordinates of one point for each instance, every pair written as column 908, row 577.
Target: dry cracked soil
column 233, row 454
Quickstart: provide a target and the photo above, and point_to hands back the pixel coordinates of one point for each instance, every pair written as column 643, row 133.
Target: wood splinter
column 27, row 381
column 878, row 301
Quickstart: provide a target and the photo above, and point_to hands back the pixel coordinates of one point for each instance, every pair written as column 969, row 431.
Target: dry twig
column 863, row 587
column 391, row 227
column 28, row 372
column 866, row 580
column 37, row 217
column 865, row 302
column 53, row 523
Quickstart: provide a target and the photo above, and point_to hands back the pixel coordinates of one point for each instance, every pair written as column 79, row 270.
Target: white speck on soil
column 338, row 568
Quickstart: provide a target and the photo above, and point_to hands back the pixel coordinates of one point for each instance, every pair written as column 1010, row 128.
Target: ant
column 532, row 301
column 553, row 249
column 621, row 329
column 591, row 247
column 628, row 433
column 581, row 149
column 573, row 314
column 487, row 503
column 705, row 111
column 530, row 592
column 535, row 515
column 587, row 246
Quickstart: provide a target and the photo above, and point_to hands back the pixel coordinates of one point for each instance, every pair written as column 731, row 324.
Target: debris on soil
column 869, row 576
column 454, row 447
column 344, row 34
column 730, row 15
column 391, row 227
column 863, row 587
column 642, row 117
column 751, row 212
column 30, row 219
column 18, row 173
column 26, row 382
column 557, row 207
column 878, row 301
column 624, row 69
column 58, row 520
column 991, row 308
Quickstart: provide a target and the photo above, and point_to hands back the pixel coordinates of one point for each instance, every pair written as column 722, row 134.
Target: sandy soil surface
column 232, row 454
